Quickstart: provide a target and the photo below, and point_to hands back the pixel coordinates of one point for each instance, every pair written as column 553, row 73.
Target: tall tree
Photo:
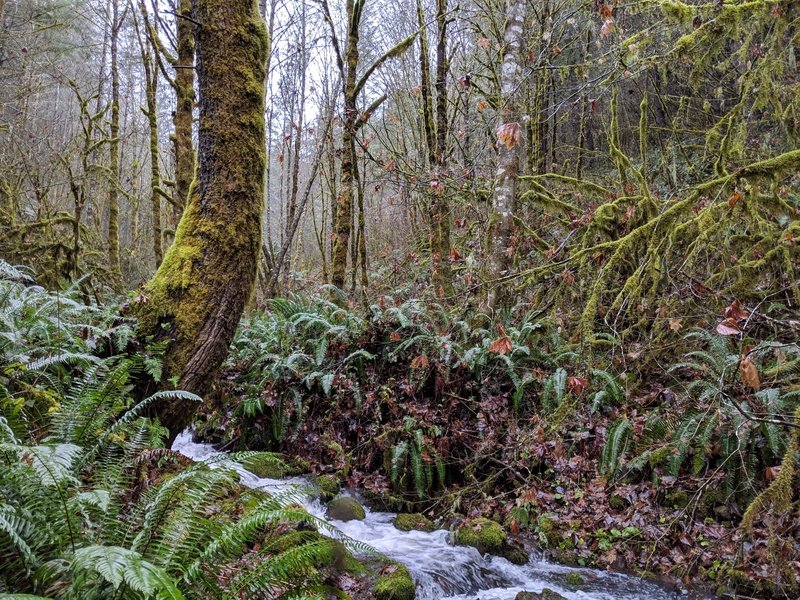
column 114, row 147
column 352, row 86
column 501, row 219
column 439, row 205
column 150, row 67
column 199, row 292
column 184, row 104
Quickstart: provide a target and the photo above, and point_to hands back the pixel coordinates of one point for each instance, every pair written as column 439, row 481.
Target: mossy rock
column 294, row 539
column 548, row 527
column 251, row 499
column 574, row 580
column 515, row 555
column 413, row 522
column 299, row 466
column 329, row 485
column 566, row 557
column 345, row 508
column 482, row 534
column 709, row 501
column 395, row 583
column 265, row 465
column 545, row 594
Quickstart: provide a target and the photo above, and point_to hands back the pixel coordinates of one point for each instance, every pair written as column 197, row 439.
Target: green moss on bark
column 198, row 294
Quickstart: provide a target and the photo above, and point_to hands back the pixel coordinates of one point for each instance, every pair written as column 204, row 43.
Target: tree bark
column 345, row 200
column 182, row 120
column 151, row 89
column 501, row 220
column 198, row 294
column 113, row 193
column 440, row 206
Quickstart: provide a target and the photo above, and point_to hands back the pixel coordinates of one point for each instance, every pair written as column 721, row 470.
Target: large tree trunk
column 501, row 220
column 199, row 293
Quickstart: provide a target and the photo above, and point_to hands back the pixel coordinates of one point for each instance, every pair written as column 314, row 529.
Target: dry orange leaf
column 508, row 134
column 748, row 373
column 577, row 385
column 501, row 345
column 420, row 362
column 735, row 311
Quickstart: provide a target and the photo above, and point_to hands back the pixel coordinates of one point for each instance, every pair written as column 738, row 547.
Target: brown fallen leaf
column 501, row 345
column 748, row 373
column 729, row 327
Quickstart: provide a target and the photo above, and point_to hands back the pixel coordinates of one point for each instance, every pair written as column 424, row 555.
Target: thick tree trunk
column 199, row 293
column 501, row 220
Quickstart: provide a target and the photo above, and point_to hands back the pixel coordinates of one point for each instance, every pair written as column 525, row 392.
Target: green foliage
column 90, row 506
column 615, row 447
column 720, row 423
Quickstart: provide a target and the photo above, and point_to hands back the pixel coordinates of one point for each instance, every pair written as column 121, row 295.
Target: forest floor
column 591, row 467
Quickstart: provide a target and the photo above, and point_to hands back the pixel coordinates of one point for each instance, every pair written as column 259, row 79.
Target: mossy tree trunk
column 435, row 136
column 198, row 294
column 352, row 86
column 114, row 149
column 345, row 200
column 440, row 206
column 150, row 67
column 184, row 103
column 501, row 220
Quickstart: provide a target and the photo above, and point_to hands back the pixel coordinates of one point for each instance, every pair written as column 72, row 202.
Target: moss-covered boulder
column 574, row 580
column 413, row 521
column 265, row 465
column 489, row 537
column 482, row 534
column 545, row 594
column 329, row 485
column 299, row 466
column 345, row 508
column 515, row 555
column 394, row 583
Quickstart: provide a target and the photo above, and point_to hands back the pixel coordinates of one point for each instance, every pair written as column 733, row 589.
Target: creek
column 441, row 570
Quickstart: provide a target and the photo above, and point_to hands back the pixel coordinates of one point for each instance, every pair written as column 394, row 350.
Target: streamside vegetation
column 92, row 505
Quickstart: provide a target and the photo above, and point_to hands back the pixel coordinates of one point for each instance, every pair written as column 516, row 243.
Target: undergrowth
column 91, row 503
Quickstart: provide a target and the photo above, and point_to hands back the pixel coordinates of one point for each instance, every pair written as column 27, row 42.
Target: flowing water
column 441, row 570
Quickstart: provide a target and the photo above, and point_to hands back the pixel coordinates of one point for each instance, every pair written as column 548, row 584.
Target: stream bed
column 441, row 570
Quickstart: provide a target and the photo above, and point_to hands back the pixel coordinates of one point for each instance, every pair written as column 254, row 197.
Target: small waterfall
column 441, row 570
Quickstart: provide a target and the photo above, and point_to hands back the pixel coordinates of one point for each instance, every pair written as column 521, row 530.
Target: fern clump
column 91, row 505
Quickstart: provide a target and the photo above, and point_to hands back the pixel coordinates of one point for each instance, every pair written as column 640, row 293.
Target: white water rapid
column 441, row 570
